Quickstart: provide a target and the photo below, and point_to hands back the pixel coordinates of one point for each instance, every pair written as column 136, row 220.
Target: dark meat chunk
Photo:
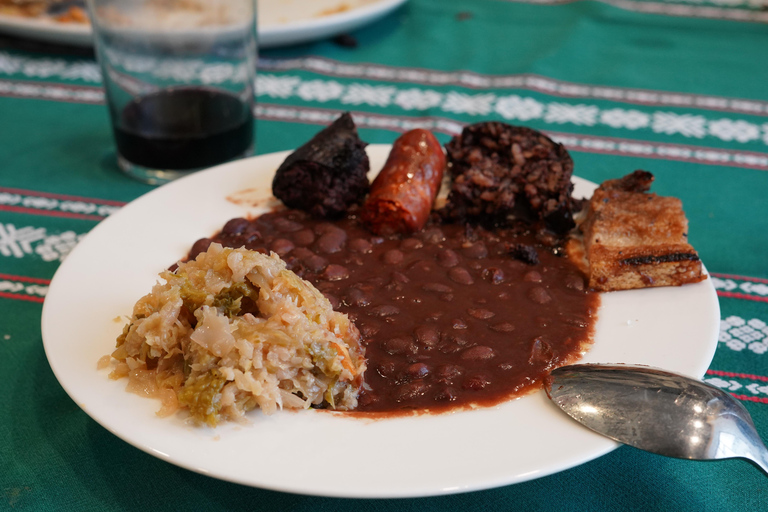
column 345, row 40
column 503, row 173
column 638, row 181
column 525, row 253
column 326, row 175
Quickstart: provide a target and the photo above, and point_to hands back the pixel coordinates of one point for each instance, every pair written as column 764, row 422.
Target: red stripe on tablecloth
column 751, row 398
column 688, row 147
column 733, row 295
column 30, row 298
column 52, row 86
column 740, row 278
column 735, row 374
column 50, row 213
column 599, row 151
column 25, row 279
column 654, row 156
column 61, row 196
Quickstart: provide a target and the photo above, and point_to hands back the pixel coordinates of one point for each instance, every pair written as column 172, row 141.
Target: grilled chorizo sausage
column 402, row 194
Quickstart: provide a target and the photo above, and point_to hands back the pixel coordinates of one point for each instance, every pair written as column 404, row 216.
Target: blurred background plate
column 281, row 22
column 286, row 22
column 46, row 30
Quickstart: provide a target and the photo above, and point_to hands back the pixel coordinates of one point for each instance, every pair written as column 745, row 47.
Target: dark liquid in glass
column 184, row 128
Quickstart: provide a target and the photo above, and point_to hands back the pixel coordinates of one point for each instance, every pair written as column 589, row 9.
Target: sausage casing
column 402, row 194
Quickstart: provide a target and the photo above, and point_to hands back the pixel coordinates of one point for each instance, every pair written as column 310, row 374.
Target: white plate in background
column 281, row 22
column 46, row 30
column 286, row 22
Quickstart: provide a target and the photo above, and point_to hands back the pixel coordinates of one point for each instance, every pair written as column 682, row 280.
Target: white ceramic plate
column 281, row 22
column 46, row 30
column 317, row 452
column 286, row 22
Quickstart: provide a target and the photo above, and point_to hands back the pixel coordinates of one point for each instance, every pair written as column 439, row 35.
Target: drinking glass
column 179, row 81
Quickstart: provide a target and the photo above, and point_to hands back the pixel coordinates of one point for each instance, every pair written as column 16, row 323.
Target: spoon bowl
column 657, row 411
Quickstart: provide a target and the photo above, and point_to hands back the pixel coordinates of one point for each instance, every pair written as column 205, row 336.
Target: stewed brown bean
column 460, row 275
column 335, row 272
column 392, row 257
column 427, row 335
column 539, row 295
column 304, row 237
column 281, row 246
column 448, row 258
column 331, row 241
column 360, row 245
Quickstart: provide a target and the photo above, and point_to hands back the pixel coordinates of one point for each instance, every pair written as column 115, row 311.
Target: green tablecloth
column 675, row 88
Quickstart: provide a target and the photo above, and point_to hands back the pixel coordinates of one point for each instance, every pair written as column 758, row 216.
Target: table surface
column 677, row 88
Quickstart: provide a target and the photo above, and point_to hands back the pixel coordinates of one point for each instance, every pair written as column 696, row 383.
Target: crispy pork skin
column 635, row 239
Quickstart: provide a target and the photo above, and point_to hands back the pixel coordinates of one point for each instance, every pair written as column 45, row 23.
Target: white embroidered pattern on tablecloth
column 88, row 71
column 23, row 289
column 757, row 389
column 734, row 284
column 513, row 108
column 21, row 242
column 739, row 334
column 736, row 10
column 573, row 142
column 51, row 204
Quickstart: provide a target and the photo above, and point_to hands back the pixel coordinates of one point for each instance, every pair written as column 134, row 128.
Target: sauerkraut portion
column 234, row 330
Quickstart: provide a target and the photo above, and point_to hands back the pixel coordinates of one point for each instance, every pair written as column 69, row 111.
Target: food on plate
column 234, row 330
column 470, row 306
column 328, row 174
column 502, row 173
column 59, row 10
column 449, row 319
column 404, row 191
column 635, row 239
column 172, row 14
column 26, row 8
column 455, row 313
column 525, row 253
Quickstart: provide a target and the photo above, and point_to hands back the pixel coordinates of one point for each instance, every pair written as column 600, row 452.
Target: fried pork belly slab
column 634, row 239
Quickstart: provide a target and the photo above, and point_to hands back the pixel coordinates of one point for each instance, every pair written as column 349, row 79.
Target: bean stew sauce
column 449, row 318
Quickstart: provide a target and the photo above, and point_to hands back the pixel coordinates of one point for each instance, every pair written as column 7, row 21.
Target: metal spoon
column 658, row 411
